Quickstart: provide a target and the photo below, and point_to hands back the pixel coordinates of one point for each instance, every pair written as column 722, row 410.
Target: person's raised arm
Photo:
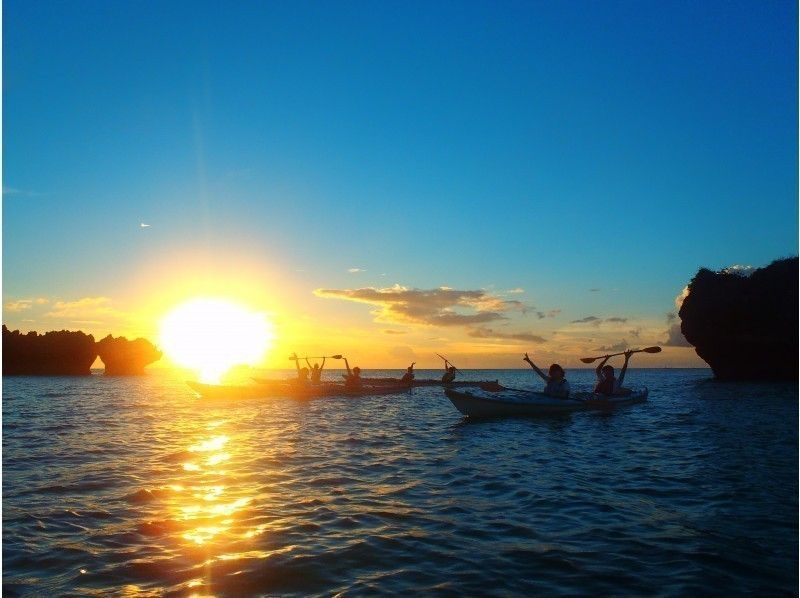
column 323, row 364
column 599, row 369
column 625, row 366
column 296, row 362
column 535, row 369
column 308, row 363
column 347, row 365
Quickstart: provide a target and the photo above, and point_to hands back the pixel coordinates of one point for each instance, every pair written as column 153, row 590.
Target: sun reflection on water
column 202, row 502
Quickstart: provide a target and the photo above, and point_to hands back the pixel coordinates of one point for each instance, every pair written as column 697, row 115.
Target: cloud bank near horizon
column 443, row 307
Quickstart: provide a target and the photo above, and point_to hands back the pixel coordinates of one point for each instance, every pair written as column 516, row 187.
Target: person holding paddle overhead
column 449, row 370
column 302, row 373
column 607, row 384
column 316, row 371
column 556, row 384
column 449, row 373
column 352, row 379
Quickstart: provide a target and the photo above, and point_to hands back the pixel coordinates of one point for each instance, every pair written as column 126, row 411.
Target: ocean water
column 134, row 486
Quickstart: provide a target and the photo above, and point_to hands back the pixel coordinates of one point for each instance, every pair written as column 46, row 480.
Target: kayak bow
column 483, row 403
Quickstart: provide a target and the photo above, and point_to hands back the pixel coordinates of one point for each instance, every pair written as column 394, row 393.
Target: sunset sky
column 391, row 180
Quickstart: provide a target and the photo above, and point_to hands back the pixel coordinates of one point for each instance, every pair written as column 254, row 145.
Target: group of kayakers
column 352, row 379
column 608, row 384
column 556, row 384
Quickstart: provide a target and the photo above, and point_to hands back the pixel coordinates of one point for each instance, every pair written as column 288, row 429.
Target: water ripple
column 133, row 486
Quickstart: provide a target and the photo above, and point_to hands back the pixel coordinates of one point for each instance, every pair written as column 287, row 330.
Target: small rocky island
column 744, row 324
column 126, row 358
column 66, row 353
column 62, row 353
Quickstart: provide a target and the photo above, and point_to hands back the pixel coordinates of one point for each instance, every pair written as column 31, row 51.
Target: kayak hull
column 399, row 383
column 262, row 391
column 481, row 403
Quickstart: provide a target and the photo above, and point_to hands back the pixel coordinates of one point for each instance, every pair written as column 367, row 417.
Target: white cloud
column 23, row 304
column 84, row 309
column 11, row 191
column 443, row 306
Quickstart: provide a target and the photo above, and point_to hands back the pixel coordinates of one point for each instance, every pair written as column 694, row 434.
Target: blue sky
column 551, row 146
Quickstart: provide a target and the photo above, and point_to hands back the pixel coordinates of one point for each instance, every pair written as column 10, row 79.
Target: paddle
column 294, row 357
column 645, row 350
column 446, row 361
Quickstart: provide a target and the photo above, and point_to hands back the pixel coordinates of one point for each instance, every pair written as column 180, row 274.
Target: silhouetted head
column 452, row 369
column 356, row 371
column 410, row 369
column 608, row 371
column 304, row 372
column 316, row 367
column 556, row 372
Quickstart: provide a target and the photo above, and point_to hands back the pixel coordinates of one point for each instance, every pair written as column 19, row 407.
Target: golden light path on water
column 209, row 501
column 211, row 335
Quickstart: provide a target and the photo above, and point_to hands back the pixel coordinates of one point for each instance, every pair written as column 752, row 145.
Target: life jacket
column 555, row 386
column 407, row 378
column 448, row 377
column 352, row 381
column 605, row 386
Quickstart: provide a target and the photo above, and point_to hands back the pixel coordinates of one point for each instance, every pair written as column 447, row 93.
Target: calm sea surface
column 115, row 486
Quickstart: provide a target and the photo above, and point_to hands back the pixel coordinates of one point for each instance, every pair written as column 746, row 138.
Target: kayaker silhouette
column 352, row 379
column 449, row 373
column 302, row 373
column 316, row 371
column 408, row 377
column 607, row 384
column 556, row 384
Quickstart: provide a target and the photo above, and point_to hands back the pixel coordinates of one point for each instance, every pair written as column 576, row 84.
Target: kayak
column 482, row 403
column 399, row 382
column 284, row 389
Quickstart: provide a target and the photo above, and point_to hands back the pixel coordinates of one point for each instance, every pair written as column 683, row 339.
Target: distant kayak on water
column 288, row 389
column 265, row 388
column 485, row 403
column 399, row 382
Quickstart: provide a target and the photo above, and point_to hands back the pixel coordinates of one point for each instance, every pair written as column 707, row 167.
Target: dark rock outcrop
column 745, row 327
column 126, row 358
column 61, row 353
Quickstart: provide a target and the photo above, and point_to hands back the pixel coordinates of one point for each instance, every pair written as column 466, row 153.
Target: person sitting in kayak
column 607, row 384
column 352, row 379
column 408, row 377
column 316, row 371
column 449, row 373
column 556, row 384
column 302, row 373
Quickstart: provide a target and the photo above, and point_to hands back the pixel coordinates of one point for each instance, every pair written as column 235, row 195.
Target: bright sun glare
column 213, row 335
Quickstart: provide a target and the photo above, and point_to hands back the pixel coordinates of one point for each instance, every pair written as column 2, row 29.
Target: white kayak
column 484, row 403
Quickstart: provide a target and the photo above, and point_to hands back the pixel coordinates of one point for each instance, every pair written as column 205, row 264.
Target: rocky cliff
column 744, row 325
column 52, row 354
column 126, row 358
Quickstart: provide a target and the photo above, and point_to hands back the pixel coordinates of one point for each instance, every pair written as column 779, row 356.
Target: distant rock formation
column 61, row 353
column 67, row 353
column 126, row 358
column 743, row 323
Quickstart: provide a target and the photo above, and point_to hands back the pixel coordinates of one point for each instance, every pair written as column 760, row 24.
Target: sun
column 213, row 335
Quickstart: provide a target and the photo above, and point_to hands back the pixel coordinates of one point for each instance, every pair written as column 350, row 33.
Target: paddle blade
column 652, row 350
column 336, row 356
column 588, row 359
